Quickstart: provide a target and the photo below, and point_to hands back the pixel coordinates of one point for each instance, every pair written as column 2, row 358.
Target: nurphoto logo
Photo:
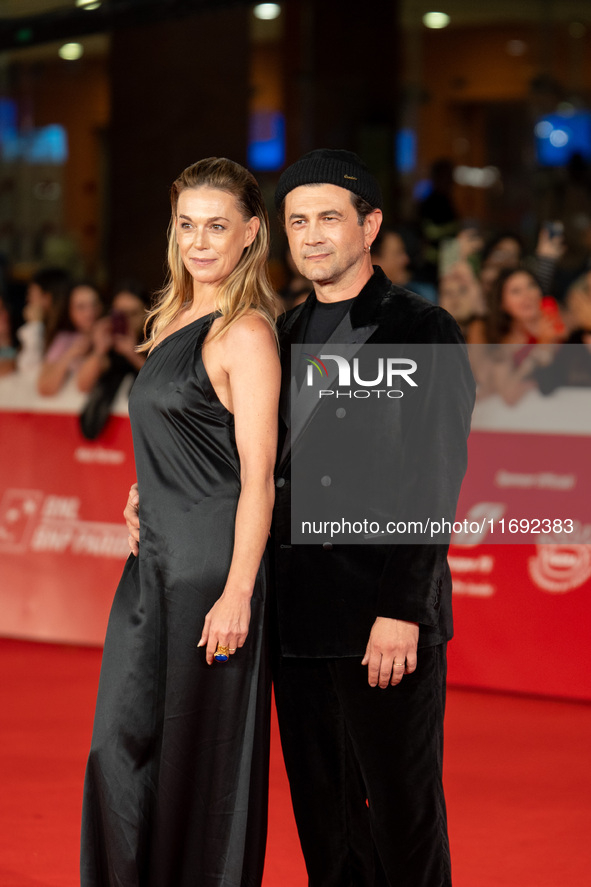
column 386, row 372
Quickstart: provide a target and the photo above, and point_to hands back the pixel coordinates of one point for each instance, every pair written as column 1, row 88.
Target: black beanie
column 327, row 166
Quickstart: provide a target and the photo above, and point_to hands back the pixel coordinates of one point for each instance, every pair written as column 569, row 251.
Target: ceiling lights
column 436, row 20
column 267, row 11
column 71, row 51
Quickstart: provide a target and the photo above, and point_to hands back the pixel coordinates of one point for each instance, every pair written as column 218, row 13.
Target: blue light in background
column 47, row 144
column 266, row 144
column 559, row 136
column 7, row 118
column 422, row 189
column 406, row 150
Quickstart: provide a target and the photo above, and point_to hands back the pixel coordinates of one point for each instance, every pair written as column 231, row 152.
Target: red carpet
column 518, row 778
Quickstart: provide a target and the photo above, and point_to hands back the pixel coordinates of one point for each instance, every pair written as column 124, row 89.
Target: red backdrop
column 522, row 611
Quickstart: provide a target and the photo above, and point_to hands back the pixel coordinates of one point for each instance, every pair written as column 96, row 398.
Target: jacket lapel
column 297, row 407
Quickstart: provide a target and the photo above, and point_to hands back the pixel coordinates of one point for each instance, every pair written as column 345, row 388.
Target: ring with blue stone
column 222, row 653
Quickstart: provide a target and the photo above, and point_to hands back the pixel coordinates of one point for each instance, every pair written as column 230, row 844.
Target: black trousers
column 365, row 768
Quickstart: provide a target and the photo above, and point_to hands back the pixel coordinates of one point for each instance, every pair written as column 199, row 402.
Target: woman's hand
column 226, row 624
column 102, row 336
column 79, row 348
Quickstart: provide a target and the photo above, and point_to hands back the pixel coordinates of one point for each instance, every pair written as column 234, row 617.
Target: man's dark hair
column 362, row 207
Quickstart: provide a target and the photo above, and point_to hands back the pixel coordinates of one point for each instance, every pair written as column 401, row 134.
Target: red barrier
column 62, row 537
column 522, row 612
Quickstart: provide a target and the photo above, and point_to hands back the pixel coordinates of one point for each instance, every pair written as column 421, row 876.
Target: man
column 360, row 630
column 363, row 745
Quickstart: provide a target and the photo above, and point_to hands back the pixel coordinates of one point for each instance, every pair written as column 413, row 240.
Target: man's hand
column 132, row 519
column 391, row 651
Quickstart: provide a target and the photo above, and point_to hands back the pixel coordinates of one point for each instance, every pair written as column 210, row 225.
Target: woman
column 176, row 781
column 47, row 292
column 114, row 356
column 527, row 325
column 519, row 313
column 72, row 339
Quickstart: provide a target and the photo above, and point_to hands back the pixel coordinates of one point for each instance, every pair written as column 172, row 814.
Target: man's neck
column 341, row 290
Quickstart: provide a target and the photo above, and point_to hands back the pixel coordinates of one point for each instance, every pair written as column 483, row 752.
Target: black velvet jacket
column 328, row 596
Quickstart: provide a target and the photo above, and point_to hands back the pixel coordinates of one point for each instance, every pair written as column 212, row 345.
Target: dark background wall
column 179, row 92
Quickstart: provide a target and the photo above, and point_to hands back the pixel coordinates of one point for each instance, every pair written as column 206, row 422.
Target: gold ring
column 400, row 665
column 222, row 653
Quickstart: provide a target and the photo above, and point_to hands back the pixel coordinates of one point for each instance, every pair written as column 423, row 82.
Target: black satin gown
column 177, row 777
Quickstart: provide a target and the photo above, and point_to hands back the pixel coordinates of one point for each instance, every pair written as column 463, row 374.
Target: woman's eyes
column 185, row 226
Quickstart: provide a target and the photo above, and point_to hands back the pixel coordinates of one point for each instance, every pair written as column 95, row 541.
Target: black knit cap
column 327, row 166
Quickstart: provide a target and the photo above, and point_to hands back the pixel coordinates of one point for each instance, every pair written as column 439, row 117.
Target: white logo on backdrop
column 31, row 520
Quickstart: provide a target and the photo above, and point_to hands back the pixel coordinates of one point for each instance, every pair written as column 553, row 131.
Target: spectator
column 113, row 356
column 46, row 294
column 506, row 251
column 437, row 213
column 389, row 252
column 460, row 293
column 518, row 312
column 519, row 316
column 72, row 339
column 578, row 304
column 571, row 365
column 7, row 348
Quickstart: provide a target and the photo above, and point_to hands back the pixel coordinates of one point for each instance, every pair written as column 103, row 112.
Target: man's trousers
column 365, row 771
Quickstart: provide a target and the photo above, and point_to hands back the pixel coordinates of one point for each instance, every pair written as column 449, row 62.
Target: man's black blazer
column 328, row 595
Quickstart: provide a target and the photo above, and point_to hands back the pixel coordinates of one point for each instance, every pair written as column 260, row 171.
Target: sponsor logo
column 33, row 521
column 100, row 455
column 560, row 568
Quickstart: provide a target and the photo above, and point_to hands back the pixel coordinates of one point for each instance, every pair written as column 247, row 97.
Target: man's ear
column 371, row 225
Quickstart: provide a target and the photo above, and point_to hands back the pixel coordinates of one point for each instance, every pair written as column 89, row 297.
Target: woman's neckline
column 181, row 329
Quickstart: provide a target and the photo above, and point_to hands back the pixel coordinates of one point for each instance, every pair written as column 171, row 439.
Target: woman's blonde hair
column 247, row 288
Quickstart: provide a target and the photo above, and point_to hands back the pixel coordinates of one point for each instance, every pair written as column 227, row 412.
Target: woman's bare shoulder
column 250, row 329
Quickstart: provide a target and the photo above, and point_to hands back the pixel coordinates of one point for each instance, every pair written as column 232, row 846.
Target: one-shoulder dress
column 176, row 784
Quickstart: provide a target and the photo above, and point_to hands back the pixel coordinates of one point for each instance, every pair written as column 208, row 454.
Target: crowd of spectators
column 525, row 312
column 68, row 337
column 520, row 312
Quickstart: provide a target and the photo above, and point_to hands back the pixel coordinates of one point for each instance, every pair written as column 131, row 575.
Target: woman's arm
column 53, row 372
column 247, row 357
column 97, row 360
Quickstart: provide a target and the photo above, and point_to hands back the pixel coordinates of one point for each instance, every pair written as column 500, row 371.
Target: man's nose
column 314, row 233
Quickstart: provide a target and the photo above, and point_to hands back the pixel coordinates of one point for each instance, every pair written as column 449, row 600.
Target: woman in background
column 525, row 327
column 47, row 292
column 113, row 356
column 71, row 340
